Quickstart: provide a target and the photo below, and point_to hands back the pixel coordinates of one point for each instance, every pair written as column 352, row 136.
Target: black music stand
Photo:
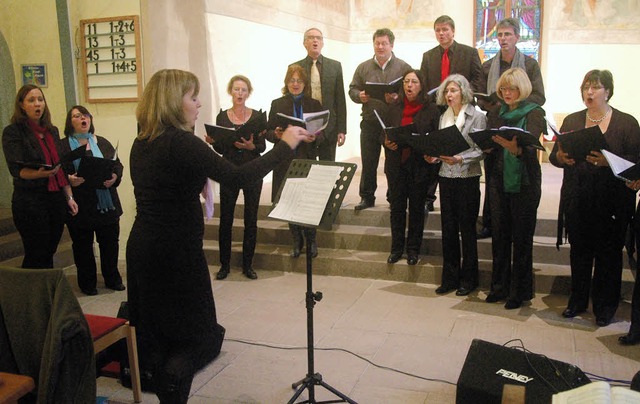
column 300, row 169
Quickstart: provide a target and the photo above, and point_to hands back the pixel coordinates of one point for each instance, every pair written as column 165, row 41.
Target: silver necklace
column 602, row 118
column 236, row 116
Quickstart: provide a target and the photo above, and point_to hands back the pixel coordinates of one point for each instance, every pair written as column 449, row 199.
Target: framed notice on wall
column 111, row 59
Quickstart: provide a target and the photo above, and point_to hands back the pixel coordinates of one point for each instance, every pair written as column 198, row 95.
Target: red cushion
column 102, row 325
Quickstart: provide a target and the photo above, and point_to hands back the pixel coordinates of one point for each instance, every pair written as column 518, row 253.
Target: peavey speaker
column 488, row 367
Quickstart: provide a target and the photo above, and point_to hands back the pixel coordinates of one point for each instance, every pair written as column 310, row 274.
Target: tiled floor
column 403, row 326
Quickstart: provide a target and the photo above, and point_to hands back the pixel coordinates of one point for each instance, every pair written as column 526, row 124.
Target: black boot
column 297, row 240
column 310, row 234
column 223, row 272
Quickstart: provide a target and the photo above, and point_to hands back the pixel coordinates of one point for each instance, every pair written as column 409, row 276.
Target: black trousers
column 326, row 149
column 228, row 199
column 513, row 218
column 407, row 188
column 39, row 218
column 459, row 204
column 370, row 148
column 596, row 242
column 82, row 236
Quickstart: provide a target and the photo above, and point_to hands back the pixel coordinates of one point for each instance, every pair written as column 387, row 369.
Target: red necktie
column 444, row 69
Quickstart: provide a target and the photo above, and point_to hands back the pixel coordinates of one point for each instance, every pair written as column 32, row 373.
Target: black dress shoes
column 570, row 312
column 428, row 207
column 463, row 291
column 494, row 297
column 394, row 257
column 223, row 272
column 512, row 304
column 629, row 339
column 90, row 292
column 445, row 289
column 250, row 273
column 412, row 259
column 118, row 287
column 603, row 321
column 484, row 233
column 364, row 204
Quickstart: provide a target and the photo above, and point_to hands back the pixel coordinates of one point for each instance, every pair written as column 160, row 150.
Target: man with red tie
column 447, row 58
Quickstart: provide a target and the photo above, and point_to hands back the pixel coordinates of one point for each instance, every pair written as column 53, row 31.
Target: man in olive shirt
column 327, row 86
column 384, row 67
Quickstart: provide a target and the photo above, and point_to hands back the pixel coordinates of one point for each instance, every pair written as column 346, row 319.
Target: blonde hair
column 515, row 77
column 161, row 104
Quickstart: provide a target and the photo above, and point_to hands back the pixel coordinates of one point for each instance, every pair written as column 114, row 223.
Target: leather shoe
column 364, row 204
column 484, row 233
column 250, row 273
column 512, row 304
column 428, row 207
column 445, row 289
column 223, row 272
column 118, row 286
column 570, row 312
column 90, row 292
column 602, row 321
column 462, row 291
column 494, row 297
column 629, row 339
column 412, row 259
column 394, row 257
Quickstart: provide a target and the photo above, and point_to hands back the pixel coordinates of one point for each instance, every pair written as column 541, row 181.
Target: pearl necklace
column 602, row 118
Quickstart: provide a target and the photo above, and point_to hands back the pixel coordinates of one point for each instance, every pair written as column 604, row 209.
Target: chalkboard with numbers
column 111, row 59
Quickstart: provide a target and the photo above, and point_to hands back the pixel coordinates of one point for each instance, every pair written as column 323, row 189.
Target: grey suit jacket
column 333, row 97
column 464, row 60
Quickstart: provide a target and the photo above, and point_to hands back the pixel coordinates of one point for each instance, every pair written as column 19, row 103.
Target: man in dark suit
column 328, row 88
column 447, row 58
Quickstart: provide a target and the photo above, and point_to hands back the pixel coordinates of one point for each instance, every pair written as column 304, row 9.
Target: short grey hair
column 462, row 82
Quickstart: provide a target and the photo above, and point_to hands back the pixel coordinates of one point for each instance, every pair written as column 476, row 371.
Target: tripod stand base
column 310, row 382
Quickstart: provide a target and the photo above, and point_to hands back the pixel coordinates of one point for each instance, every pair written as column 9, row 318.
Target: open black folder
column 443, row 142
column 579, row 144
column 622, row 168
column 95, row 170
column 378, row 90
column 313, row 122
column 223, row 134
column 483, row 137
column 72, row 155
column 397, row 134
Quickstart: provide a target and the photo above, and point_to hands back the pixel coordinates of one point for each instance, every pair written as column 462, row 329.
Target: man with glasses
column 327, row 86
column 384, row 67
column 507, row 57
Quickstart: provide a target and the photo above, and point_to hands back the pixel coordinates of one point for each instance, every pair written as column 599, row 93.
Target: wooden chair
column 13, row 387
column 105, row 332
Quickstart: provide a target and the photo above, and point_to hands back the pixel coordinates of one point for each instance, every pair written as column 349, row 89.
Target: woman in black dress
column 169, row 287
column 239, row 153
column 100, row 208
column 39, row 185
column 596, row 207
column 295, row 101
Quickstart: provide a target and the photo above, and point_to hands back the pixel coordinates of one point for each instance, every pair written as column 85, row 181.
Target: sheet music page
column 617, row 163
column 303, row 200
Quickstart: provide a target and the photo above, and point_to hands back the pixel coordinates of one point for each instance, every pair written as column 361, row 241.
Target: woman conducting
column 408, row 175
column 99, row 207
column 239, row 153
column 41, row 192
column 295, row 101
column 460, row 189
column 596, row 207
column 515, row 190
column 169, row 288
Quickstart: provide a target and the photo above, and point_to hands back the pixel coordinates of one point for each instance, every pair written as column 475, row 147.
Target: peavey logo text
column 514, row 376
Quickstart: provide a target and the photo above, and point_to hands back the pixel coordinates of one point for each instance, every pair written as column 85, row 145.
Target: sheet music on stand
column 312, row 192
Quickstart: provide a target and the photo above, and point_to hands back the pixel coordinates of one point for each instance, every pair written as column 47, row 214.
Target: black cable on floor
column 346, row 351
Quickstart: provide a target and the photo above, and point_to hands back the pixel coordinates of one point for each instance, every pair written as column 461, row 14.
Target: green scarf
column 514, row 173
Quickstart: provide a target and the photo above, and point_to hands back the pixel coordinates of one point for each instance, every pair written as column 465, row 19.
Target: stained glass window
column 489, row 12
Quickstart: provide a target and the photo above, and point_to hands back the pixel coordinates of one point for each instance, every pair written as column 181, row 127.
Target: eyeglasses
column 413, row 81
column 78, row 116
column 312, row 37
column 508, row 89
column 296, row 81
column 593, row 87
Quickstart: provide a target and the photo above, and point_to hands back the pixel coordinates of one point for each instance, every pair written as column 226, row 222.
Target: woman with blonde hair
column 169, row 287
column 515, row 190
